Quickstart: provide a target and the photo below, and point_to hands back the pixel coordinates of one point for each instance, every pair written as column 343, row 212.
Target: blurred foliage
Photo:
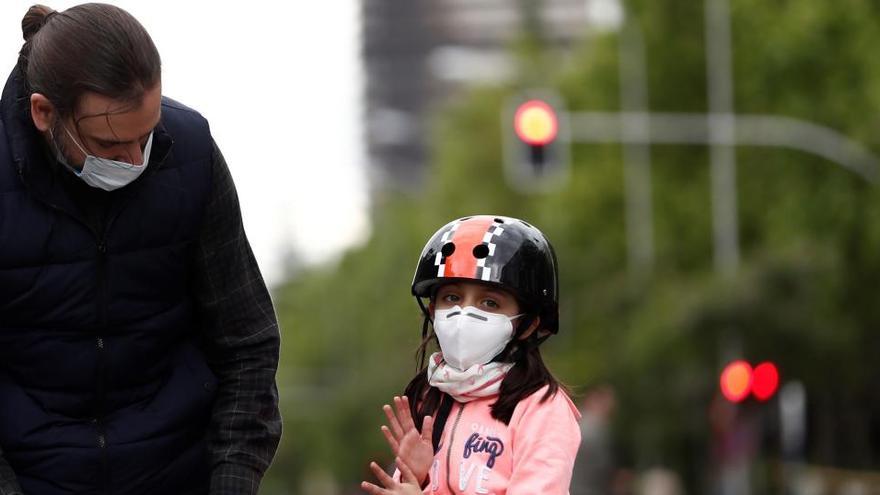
column 805, row 295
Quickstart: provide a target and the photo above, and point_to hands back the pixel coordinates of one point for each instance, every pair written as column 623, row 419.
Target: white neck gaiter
column 480, row 380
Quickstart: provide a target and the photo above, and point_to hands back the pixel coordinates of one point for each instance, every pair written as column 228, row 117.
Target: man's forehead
column 108, row 118
column 92, row 105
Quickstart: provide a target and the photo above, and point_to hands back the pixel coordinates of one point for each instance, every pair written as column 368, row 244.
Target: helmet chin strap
column 424, row 309
column 426, row 320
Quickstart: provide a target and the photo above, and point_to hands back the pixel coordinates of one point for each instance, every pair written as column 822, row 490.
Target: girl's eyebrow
column 496, row 292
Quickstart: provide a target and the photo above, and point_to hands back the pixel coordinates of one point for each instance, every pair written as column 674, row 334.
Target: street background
column 718, row 204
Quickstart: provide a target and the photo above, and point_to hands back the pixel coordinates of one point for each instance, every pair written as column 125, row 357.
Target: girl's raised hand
column 406, row 486
column 407, row 443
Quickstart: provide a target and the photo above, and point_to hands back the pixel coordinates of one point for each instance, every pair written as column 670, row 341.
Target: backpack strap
column 440, row 420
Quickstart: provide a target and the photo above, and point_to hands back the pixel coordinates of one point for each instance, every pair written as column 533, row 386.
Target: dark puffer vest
column 102, row 386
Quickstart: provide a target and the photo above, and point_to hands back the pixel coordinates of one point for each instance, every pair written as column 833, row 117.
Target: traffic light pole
column 722, row 137
column 636, row 152
column 735, row 478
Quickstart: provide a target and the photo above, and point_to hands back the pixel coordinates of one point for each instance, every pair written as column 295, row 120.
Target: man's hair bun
column 36, row 17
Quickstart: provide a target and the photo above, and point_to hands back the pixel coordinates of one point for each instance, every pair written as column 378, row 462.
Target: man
column 138, row 343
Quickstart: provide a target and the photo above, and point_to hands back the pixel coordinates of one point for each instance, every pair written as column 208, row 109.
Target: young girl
column 485, row 416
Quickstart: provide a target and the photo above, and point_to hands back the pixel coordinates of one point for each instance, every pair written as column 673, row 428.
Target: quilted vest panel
column 103, row 388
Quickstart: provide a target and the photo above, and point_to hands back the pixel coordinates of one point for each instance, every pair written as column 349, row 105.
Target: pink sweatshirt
column 532, row 455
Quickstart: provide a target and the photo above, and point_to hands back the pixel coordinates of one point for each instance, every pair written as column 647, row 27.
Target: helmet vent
column 447, row 249
column 481, row 251
column 499, row 220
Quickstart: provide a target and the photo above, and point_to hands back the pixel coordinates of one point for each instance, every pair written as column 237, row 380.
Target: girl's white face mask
column 470, row 336
column 107, row 174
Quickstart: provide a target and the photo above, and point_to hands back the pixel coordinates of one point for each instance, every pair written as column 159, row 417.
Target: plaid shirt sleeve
column 242, row 341
column 8, row 482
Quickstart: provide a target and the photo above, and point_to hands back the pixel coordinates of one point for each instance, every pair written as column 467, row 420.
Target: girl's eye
column 106, row 145
column 450, row 298
column 491, row 304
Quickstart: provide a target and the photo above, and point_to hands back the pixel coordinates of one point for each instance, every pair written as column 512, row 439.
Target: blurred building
column 417, row 53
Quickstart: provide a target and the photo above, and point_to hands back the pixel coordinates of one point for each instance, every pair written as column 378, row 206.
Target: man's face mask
column 470, row 336
column 104, row 173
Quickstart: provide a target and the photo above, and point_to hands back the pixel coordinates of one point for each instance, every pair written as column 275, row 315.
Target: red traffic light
column 738, row 380
column 536, row 123
column 765, row 381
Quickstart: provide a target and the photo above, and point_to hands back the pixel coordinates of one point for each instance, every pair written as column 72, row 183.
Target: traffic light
column 765, row 381
column 739, row 380
column 536, row 134
column 536, row 124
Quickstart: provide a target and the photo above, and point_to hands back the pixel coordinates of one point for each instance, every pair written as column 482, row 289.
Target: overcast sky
column 280, row 83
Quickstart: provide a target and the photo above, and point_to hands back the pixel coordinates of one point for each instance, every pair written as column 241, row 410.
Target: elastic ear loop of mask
column 532, row 341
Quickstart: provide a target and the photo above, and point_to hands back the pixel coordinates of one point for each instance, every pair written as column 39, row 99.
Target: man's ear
column 532, row 327
column 42, row 112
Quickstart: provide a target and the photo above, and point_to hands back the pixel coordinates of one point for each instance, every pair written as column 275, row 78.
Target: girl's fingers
column 392, row 442
column 382, row 476
column 392, row 422
column 373, row 489
column 406, row 474
column 428, row 429
column 403, row 413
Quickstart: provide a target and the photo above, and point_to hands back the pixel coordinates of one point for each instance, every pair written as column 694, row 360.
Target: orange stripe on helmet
column 469, row 234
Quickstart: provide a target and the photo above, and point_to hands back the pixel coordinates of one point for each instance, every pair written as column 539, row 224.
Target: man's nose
column 134, row 154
